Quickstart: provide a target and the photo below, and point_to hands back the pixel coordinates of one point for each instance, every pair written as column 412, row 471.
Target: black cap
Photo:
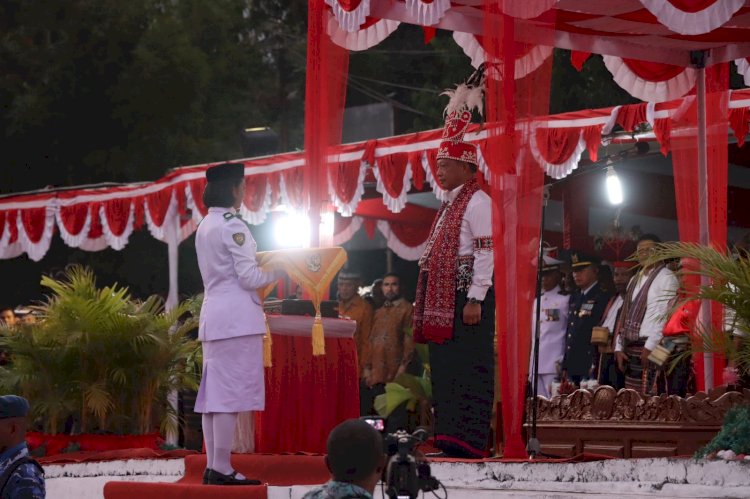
column 13, row 406
column 579, row 260
column 225, row 171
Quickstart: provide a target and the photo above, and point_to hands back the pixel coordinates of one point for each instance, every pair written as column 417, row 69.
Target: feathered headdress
column 464, row 99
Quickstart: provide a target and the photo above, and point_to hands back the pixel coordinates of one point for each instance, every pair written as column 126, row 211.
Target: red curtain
column 305, row 392
column 325, row 94
column 695, row 192
column 516, row 203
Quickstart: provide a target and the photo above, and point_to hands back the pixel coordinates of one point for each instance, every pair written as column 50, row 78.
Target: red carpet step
column 271, row 469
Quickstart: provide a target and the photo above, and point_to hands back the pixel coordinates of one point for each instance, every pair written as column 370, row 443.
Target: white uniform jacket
column 231, row 278
column 553, row 327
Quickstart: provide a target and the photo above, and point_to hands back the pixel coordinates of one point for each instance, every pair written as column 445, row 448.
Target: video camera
column 404, row 476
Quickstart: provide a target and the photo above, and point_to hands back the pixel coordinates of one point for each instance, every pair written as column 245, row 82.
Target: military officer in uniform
column 553, row 321
column 586, row 307
column 231, row 321
column 20, row 475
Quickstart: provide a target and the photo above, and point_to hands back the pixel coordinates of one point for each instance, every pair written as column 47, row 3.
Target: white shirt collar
column 452, row 194
column 554, row 290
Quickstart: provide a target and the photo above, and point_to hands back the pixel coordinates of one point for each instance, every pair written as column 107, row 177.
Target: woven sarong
column 635, row 377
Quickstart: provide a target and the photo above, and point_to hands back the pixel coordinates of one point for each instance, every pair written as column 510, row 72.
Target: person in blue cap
column 20, row 475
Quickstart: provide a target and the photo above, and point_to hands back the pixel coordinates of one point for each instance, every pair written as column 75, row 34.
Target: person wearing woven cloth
column 607, row 372
column 232, row 323
column 644, row 314
column 585, row 310
column 455, row 302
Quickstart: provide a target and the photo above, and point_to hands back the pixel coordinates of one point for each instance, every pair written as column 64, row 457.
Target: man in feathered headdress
column 455, row 304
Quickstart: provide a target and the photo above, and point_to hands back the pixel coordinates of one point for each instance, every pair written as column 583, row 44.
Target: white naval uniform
column 553, row 327
column 231, row 321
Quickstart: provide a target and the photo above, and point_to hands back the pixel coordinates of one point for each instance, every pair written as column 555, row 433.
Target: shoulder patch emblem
column 239, row 238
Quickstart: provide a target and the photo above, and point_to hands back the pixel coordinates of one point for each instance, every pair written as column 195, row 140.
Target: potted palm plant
column 99, row 361
column 723, row 278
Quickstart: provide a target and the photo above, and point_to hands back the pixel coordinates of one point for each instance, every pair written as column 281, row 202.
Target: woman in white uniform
column 231, row 321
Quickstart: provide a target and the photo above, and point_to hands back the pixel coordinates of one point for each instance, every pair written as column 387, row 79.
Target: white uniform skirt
column 232, row 375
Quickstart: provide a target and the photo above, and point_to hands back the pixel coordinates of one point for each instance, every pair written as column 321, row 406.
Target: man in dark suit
column 586, row 308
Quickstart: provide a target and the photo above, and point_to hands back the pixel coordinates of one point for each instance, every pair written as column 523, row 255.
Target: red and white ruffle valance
column 743, row 68
column 530, row 59
column 372, row 32
column 400, row 239
column 393, row 179
column 557, row 150
column 693, row 17
column 350, row 14
column 346, row 185
column 94, row 219
column 428, row 12
column 650, row 81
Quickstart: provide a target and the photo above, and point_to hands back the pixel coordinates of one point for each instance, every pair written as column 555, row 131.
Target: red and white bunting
column 346, row 185
column 743, row 68
column 350, row 14
column 557, row 150
column 393, row 179
column 650, row 81
column 257, row 202
column 402, row 248
column 369, row 35
column 693, row 17
column 429, row 12
column 525, row 64
column 35, row 227
column 94, row 219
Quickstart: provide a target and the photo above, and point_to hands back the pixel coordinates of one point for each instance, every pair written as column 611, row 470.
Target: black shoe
column 206, row 472
column 216, row 478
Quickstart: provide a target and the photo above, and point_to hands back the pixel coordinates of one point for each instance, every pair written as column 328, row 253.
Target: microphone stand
column 533, row 447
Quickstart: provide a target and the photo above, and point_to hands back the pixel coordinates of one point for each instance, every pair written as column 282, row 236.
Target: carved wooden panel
column 626, row 424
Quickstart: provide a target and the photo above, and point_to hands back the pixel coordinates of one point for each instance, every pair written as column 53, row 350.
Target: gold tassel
column 267, row 345
column 318, row 339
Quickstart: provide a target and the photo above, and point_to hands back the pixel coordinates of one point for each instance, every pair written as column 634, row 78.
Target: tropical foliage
column 719, row 277
column 414, row 391
column 100, row 359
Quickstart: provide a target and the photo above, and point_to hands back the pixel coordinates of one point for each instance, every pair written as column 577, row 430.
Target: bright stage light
column 292, row 230
column 614, row 187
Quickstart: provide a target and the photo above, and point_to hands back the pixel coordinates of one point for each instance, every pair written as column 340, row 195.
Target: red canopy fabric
column 646, row 43
column 96, row 218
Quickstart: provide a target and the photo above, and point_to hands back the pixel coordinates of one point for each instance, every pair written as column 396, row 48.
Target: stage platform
column 290, row 476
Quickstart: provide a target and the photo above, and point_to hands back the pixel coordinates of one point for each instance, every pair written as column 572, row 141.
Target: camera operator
column 355, row 459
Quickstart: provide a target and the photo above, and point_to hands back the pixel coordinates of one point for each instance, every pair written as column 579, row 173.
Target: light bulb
column 614, row 187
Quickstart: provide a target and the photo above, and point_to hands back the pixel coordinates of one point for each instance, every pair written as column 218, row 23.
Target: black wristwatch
column 474, row 300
